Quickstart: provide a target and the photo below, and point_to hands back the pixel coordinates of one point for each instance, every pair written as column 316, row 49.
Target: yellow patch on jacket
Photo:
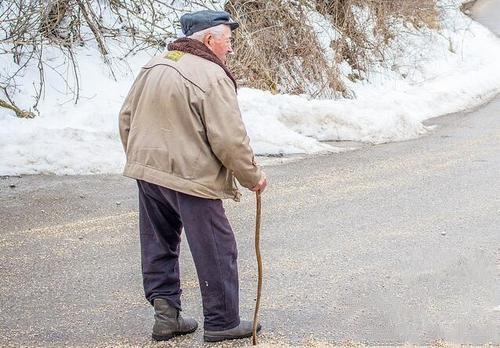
column 174, row 55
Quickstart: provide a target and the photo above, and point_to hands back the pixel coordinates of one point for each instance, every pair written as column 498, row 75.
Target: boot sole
column 172, row 335
column 210, row 338
column 224, row 338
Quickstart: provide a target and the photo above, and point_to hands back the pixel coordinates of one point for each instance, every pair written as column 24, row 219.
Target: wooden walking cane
column 259, row 266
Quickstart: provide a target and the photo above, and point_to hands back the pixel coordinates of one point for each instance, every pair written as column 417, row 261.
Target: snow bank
column 430, row 74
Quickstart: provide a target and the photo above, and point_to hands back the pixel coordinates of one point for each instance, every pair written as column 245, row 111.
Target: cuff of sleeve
column 252, row 180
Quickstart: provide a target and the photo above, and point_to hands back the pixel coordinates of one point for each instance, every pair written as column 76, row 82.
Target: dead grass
column 278, row 51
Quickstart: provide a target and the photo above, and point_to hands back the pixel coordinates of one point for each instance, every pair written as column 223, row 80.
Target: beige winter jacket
column 181, row 128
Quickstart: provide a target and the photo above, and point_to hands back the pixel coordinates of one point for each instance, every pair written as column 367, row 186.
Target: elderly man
column 185, row 142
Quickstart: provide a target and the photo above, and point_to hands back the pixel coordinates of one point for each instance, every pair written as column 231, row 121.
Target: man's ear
column 207, row 40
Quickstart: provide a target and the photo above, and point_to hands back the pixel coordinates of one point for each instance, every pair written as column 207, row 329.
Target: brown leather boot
column 169, row 322
column 244, row 329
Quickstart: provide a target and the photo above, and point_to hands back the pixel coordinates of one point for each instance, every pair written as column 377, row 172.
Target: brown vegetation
column 277, row 49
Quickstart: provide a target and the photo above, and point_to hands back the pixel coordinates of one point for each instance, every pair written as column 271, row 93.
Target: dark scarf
column 199, row 49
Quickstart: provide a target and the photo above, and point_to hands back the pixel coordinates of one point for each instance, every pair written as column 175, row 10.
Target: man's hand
column 261, row 186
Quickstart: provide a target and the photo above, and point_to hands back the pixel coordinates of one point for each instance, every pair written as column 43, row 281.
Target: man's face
column 220, row 44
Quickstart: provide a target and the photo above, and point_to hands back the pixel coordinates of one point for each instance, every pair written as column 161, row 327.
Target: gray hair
column 217, row 31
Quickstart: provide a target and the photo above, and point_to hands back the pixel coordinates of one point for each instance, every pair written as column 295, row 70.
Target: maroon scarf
column 199, row 49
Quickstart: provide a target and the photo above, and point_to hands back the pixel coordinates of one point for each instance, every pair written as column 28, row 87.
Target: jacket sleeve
column 226, row 132
column 125, row 116
column 124, row 120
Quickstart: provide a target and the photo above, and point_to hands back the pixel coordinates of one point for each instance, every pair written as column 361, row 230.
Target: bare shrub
column 27, row 27
column 277, row 50
column 364, row 38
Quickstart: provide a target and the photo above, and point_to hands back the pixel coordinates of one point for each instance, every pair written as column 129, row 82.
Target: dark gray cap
column 196, row 21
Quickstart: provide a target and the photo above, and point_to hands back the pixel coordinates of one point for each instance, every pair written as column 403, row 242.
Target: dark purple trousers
column 162, row 215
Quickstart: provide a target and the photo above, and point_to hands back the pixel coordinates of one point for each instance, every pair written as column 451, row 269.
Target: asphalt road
column 487, row 12
column 389, row 244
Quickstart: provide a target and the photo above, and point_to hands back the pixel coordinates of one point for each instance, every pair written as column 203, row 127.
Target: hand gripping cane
column 259, row 266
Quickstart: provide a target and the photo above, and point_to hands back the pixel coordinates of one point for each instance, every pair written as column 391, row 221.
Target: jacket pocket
column 156, row 158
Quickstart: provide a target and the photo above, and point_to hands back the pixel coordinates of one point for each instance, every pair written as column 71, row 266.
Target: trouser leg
column 160, row 228
column 214, row 251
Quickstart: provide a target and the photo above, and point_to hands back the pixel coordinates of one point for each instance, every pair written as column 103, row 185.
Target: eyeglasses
column 229, row 40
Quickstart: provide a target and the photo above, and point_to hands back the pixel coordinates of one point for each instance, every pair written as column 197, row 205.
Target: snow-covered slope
column 431, row 73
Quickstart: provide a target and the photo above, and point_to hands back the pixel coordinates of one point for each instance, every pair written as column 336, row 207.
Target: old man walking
column 185, row 142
